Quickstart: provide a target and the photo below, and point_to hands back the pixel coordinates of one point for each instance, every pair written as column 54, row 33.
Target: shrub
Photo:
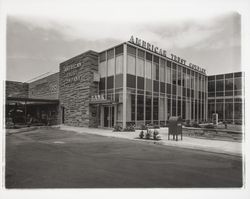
column 156, row 135
column 141, row 135
column 129, row 128
column 117, row 128
column 148, row 134
column 196, row 125
column 209, row 126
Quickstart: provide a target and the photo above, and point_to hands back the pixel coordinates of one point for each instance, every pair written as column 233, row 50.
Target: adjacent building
column 226, row 97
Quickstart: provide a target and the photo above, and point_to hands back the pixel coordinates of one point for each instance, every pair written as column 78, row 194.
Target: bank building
column 132, row 83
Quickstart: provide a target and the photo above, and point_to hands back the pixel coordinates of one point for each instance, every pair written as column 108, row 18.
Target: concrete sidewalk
column 216, row 146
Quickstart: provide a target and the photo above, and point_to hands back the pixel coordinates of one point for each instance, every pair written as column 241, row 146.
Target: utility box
column 175, row 127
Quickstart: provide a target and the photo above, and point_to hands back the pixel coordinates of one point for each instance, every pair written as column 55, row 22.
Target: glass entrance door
column 108, row 116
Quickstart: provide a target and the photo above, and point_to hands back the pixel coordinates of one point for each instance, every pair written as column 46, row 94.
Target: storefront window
column 168, row 108
column 179, row 108
column 173, row 107
column 220, row 110
column 183, row 109
column 229, row 111
column 162, row 109
column 237, row 110
column 132, row 107
column 155, row 108
column 148, row 108
column 140, row 107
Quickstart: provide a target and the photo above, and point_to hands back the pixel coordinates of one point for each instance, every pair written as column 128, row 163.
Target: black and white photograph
column 125, row 95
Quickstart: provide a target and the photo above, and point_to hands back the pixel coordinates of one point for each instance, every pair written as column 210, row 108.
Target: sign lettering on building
column 155, row 49
column 148, row 46
column 72, row 74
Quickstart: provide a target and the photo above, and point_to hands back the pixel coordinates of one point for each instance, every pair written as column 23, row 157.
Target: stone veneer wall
column 76, row 87
column 45, row 88
column 17, row 89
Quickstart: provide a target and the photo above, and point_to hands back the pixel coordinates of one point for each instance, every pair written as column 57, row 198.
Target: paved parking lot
column 52, row 158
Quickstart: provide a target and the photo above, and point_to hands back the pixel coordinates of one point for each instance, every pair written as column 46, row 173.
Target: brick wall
column 76, row 87
column 45, row 88
column 16, row 89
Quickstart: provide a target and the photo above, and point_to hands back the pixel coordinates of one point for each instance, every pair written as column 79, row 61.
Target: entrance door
column 108, row 116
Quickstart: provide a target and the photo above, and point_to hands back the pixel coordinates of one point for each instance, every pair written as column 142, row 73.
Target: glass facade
column 225, row 97
column 156, row 87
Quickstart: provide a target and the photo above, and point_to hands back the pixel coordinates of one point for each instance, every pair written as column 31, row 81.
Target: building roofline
column 72, row 58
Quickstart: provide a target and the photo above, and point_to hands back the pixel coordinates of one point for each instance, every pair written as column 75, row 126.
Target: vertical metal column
column 115, row 109
column 152, row 93
column 124, row 94
column 224, row 90
column 136, row 51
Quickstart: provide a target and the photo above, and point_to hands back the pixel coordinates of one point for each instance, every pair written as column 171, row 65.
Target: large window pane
column 179, row 76
column 132, row 107
column 229, row 111
column 211, row 86
column 148, row 69
column 162, row 71
column 131, row 50
column 111, row 67
column 119, row 64
column 229, row 84
column 237, row 83
column 174, row 77
column 219, row 110
column 155, row 71
column 179, row 108
column 173, row 107
column 219, row 85
column 102, row 69
column 140, row 67
column 161, row 109
column 140, row 107
column 148, row 108
column 131, row 65
column 155, row 108
column 188, row 80
column 237, row 111
column 168, row 75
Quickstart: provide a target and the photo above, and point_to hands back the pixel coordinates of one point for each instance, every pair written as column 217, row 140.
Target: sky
column 41, row 34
